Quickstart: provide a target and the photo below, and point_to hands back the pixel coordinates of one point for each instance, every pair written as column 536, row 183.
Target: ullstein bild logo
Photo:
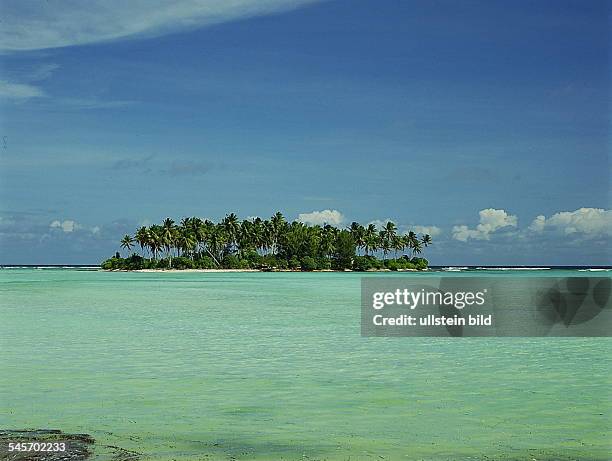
column 486, row 306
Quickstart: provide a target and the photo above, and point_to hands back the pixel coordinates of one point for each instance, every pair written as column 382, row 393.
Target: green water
column 272, row 366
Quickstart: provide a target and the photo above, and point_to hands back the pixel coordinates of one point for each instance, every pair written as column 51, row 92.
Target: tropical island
column 269, row 245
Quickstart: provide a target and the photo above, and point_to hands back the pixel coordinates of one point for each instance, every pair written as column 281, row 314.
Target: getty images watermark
column 486, row 306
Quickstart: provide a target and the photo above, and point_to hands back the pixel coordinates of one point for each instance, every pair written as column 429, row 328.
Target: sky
column 483, row 123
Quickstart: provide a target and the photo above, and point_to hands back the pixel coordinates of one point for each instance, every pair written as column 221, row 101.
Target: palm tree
column 168, row 237
column 387, row 235
column 142, row 237
column 246, row 237
column 277, row 224
column 232, row 228
column 127, row 242
column 186, row 241
column 328, row 241
column 217, row 243
column 286, row 241
column 156, row 239
column 410, row 240
column 417, row 248
column 258, row 234
column 268, row 236
column 358, row 233
column 397, row 243
column 370, row 239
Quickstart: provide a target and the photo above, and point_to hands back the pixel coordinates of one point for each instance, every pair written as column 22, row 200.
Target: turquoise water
column 272, row 366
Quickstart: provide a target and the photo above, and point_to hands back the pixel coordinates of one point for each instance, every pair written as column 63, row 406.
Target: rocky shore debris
column 78, row 447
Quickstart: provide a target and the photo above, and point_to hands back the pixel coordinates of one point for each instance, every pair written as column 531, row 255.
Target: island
column 269, row 245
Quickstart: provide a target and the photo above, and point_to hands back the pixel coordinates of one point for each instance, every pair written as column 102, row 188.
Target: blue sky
column 485, row 123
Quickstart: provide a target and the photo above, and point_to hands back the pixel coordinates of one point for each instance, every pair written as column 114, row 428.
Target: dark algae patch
column 84, row 447
column 55, row 445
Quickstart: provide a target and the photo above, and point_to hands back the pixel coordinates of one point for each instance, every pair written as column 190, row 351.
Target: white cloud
column 431, row 230
column 21, row 91
column 379, row 223
column 66, row 226
column 538, row 224
column 77, row 103
column 587, row 222
column 42, row 72
column 491, row 220
column 333, row 217
column 31, row 24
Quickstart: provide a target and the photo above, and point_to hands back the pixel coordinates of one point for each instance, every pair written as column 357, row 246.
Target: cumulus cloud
column 431, row 230
column 491, row 220
column 19, row 91
column 380, row 223
column 66, row 226
column 30, row 24
column 333, row 217
column 586, row 222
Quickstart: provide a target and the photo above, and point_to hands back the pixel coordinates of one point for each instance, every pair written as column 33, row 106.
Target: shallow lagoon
column 272, row 366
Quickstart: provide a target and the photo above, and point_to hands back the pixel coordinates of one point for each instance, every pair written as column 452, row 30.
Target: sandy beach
column 190, row 270
column 249, row 270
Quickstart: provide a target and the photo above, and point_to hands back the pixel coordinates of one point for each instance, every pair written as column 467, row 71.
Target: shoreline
column 251, row 270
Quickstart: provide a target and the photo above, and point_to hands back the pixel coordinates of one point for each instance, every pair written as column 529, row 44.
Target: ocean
column 271, row 366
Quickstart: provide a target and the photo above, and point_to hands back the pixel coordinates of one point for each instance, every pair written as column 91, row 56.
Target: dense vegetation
column 273, row 244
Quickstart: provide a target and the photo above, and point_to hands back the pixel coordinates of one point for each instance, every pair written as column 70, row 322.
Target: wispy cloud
column 28, row 26
column 187, row 168
column 174, row 168
column 79, row 103
column 19, row 91
column 141, row 164
column 42, row 72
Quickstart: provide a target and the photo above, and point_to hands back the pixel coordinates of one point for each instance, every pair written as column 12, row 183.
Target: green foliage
column 272, row 244
column 134, row 262
column 281, row 264
column 294, row 263
column 323, row 263
column 308, row 263
column 150, row 264
column 403, row 263
column 420, row 263
column 163, row 263
column 205, row 262
column 112, row 263
column 366, row 263
column 392, row 264
column 254, row 260
column 344, row 251
column 181, row 262
column 231, row 262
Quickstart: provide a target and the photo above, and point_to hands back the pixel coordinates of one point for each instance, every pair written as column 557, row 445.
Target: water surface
column 272, row 366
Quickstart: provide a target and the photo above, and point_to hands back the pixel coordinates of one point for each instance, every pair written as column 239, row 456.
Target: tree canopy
column 269, row 244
